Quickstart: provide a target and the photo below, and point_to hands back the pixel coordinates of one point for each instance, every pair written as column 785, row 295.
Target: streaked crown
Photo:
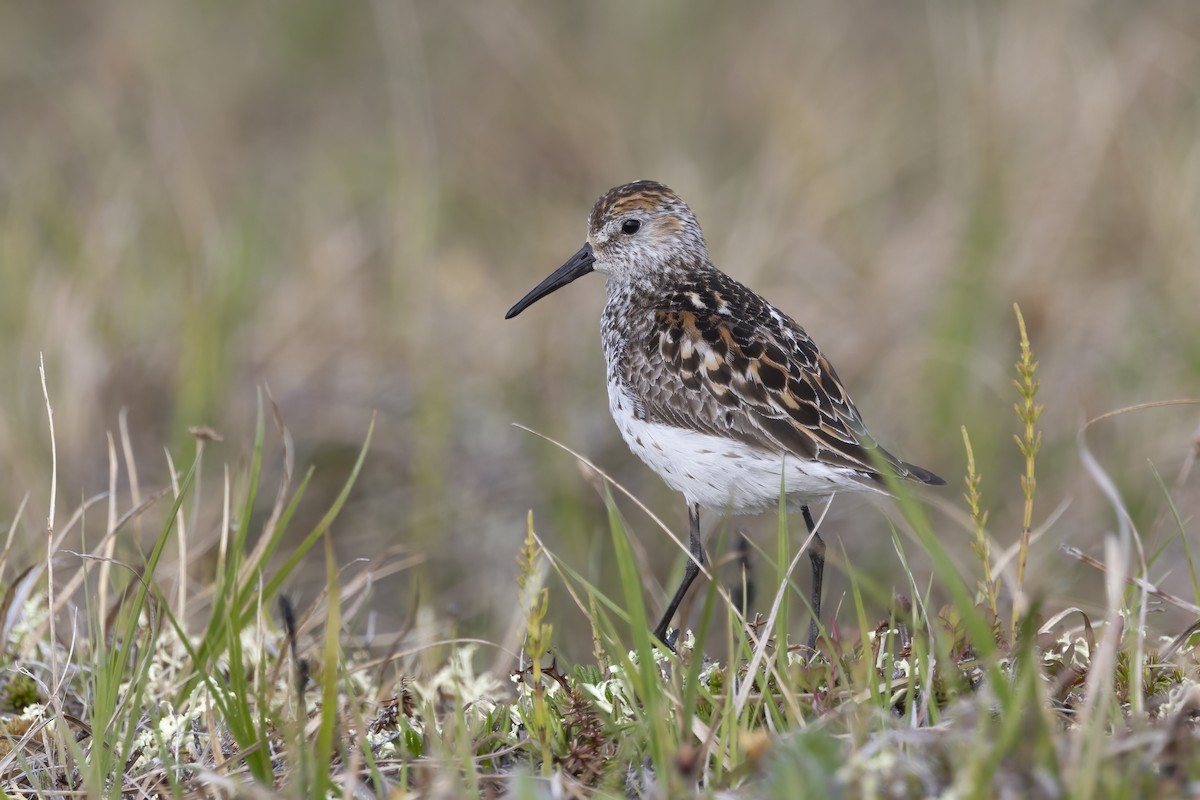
column 644, row 227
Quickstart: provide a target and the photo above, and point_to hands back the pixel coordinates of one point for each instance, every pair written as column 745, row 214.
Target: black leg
column 742, row 593
column 816, row 554
column 689, row 574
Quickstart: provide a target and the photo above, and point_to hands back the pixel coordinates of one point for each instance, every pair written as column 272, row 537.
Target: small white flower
column 34, row 712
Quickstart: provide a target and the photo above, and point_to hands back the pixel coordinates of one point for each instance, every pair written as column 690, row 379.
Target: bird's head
column 636, row 232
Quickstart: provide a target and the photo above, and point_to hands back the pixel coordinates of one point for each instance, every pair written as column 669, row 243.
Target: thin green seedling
column 1180, row 531
column 240, row 711
column 989, row 585
column 228, row 559
column 645, row 672
column 923, row 637
column 979, row 630
column 783, row 555
column 874, row 686
column 691, row 690
column 112, row 712
column 232, row 703
column 534, row 598
column 1029, row 442
column 331, row 659
column 237, row 614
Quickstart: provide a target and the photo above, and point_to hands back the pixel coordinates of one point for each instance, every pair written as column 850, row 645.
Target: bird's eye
column 631, row 226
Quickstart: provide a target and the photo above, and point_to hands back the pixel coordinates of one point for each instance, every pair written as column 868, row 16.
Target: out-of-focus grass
column 339, row 201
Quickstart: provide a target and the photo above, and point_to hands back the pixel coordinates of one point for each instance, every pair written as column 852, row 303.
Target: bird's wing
column 730, row 365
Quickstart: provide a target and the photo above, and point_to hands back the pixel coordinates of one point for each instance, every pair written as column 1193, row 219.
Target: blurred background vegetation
column 340, row 200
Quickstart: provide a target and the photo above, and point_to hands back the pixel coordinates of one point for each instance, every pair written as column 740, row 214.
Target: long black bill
column 577, row 266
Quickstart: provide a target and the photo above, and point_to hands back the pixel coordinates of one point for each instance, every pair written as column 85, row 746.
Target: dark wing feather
column 723, row 362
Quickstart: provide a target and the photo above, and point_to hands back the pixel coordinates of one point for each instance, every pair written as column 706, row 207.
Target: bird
column 720, row 393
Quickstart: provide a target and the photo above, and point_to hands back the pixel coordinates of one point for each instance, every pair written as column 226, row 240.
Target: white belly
column 725, row 474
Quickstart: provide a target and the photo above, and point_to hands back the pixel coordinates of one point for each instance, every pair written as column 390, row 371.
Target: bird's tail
column 922, row 475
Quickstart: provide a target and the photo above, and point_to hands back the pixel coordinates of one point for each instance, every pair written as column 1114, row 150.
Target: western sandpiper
column 720, row 393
